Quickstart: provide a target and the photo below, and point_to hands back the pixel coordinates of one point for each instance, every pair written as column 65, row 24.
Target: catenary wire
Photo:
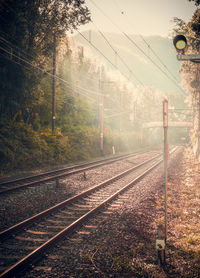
column 148, row 45
column 97, row 49
column 114, row 50
column 46, row 72
column 60, row 79
column 139, row 48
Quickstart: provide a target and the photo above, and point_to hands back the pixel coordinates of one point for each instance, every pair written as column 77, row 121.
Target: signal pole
column 160, row 242
column 54, row 86
column 101, row 111
column 120, row 119
column 198, row 92
column 165, row 126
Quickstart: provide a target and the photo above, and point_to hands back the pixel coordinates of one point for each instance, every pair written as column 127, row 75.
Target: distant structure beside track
column 170, row 124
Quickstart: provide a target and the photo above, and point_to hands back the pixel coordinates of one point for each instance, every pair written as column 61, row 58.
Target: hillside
column 140, row 65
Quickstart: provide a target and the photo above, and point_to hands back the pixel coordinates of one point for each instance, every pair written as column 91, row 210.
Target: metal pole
column 54, row 86
column 165, row 125
column 199, row 109
column 198, row 93
column 101, row 110
column 120, row 119
column 165, row 177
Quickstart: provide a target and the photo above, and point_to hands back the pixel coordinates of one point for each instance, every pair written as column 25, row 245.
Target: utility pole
column 165, row 126
column 198, row 92
column 101, row 110
column 199, row 110
column 90, row 35
column 120, row 119
column 54, row 86
column 160, row 242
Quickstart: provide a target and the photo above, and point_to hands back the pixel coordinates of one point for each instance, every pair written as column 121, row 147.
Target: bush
column 23, row 148
column 20, row 146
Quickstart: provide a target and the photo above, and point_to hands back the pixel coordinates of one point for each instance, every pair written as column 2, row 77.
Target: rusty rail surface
column 59, row 173
column 26, row 260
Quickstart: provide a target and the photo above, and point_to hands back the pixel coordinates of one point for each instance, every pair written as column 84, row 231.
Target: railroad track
column 51, row 225
column 56, row 175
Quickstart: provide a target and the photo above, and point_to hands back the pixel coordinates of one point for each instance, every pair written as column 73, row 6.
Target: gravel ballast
column 25, row 203
column 120, row 241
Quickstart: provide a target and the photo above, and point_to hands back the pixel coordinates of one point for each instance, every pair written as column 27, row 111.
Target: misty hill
column 140, row 65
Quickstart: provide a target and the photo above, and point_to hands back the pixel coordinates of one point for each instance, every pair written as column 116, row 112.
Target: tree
column 26, row 44
column 197, row 2
column 190, row 71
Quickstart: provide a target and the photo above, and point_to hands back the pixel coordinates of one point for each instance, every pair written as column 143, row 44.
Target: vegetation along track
column 19, row 247
column 34, row 180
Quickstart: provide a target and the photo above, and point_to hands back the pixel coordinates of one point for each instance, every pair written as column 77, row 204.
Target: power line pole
column 101, row 110
column 120, row 119
column 165, row 126
column 160, row 242
column 54, row 86
column 198, row 92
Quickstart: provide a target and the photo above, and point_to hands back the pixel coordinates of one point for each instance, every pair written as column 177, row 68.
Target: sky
column 140, row 17
column 145, row 17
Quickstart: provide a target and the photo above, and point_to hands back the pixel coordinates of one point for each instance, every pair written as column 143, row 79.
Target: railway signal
column 180, row 43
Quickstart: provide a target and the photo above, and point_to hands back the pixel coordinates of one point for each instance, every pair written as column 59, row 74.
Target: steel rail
column 94, row 164
column 18, row 266
column 8, row 182
column 44, row 213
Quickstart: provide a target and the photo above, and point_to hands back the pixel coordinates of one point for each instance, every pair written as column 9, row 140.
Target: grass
column 183, row 217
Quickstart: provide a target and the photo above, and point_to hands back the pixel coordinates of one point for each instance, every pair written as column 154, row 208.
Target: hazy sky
column 146, row 17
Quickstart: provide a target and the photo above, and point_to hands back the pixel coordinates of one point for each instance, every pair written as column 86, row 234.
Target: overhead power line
column 134, row 43
column 115, row 51
column 44, row 71
column 149, row 46
column 98, row 50
column 72, row 87
column 13, row 46
column 25, row 59
column 118, row 114
column 21, row 52
column 138, row 47
column 173, row 76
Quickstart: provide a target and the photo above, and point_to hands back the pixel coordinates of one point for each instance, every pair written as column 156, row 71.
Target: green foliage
column 27, row 32
column 26, row 94
column 190, row 71
column 23, row 148
column 103, row 263
column 197, row 2
column 20, row 146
